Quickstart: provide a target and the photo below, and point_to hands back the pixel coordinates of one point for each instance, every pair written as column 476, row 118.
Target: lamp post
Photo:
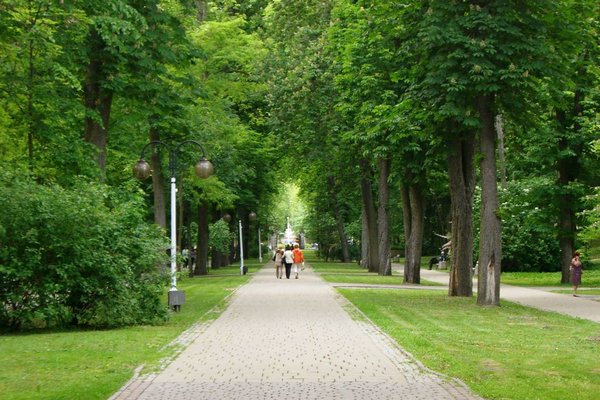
column 241, row 248
column 142, row 170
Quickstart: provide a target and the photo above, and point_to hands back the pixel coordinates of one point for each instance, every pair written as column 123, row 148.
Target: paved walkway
column 581, row 307
column 291, row 339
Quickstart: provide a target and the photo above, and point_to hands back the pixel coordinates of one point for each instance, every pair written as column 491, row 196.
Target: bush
column 529, row 233
column 79, row 256
column 220, row 237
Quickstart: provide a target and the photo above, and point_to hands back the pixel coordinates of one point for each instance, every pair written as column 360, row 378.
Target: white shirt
column 289, row 257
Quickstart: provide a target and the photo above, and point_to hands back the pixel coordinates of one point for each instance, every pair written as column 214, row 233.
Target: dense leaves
column 82, row 256
column 370, row 108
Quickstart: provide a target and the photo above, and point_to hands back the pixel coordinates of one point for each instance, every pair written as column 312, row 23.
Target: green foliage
column 591, row 232
column 528, row 229
column 76, row 256
column 39, row 81
column 466, row 50
column 220, row 237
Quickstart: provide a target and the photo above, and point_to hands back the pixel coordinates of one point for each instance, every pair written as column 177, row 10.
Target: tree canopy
column 400, row 125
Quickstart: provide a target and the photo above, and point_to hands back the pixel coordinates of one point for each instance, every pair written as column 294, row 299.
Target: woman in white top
column 288, row 260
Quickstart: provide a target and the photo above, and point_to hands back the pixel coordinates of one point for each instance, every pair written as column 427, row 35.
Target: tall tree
column 115, row 30
column 572, row 91
column 39, row 85
column 479, row 56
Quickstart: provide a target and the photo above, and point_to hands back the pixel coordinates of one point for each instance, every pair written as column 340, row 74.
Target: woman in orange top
column 298, row 260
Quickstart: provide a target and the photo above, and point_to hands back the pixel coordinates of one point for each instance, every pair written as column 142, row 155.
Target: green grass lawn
column 373, row 279
column 590, row 278
column 507, row 352
column 94, row 364
column 352, row 273
column 234, row 269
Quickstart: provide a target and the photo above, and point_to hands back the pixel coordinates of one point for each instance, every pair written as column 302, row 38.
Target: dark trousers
column 288, row 270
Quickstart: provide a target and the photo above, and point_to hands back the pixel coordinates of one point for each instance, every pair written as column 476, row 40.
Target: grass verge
column 590, row 279
column 94, row 364
column 353, row 273
column 507, row 352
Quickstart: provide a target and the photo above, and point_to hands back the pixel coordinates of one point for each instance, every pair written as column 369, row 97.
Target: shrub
column 529, row 232
column 76, row 256
column 220, row 237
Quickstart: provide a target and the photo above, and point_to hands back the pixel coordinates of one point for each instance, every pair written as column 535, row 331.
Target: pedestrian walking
column 576, row 271
column 298, row 260
column 288, row 260
column 278, row 258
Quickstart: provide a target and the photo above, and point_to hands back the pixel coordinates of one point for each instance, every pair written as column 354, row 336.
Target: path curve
column 578, row 307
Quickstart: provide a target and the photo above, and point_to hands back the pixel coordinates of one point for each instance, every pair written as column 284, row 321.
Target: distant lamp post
column 203, row 169
column 242, row 270
column 251, row 217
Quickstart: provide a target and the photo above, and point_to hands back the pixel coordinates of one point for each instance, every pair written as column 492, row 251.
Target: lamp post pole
column 204, row 169
column 259, row 247
column 173, row 234
column 241, row 248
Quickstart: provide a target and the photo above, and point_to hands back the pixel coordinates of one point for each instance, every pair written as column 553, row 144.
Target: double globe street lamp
column 203, row 169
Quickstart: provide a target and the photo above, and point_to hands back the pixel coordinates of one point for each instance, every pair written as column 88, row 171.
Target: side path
column 579, row 307
column 292, row 339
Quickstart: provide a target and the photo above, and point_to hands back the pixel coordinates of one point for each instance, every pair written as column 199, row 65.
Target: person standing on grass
column 576, row 271
column 298, row 259
column 278, row 258
column 288, row 259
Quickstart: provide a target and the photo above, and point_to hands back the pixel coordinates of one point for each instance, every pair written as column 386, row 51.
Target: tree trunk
column 461, row 175
column 202, row 244
column 413, row 214
column 339, row 220
column 364, row 238
column 97, row 101
column 383, row 218
column 567, row 229
column 216, row 257
column 201, row 9
column 490, row 243
column 370, row 214
column 158, row 183
column 568, row 171
column 246, row 233
column 501, row 157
